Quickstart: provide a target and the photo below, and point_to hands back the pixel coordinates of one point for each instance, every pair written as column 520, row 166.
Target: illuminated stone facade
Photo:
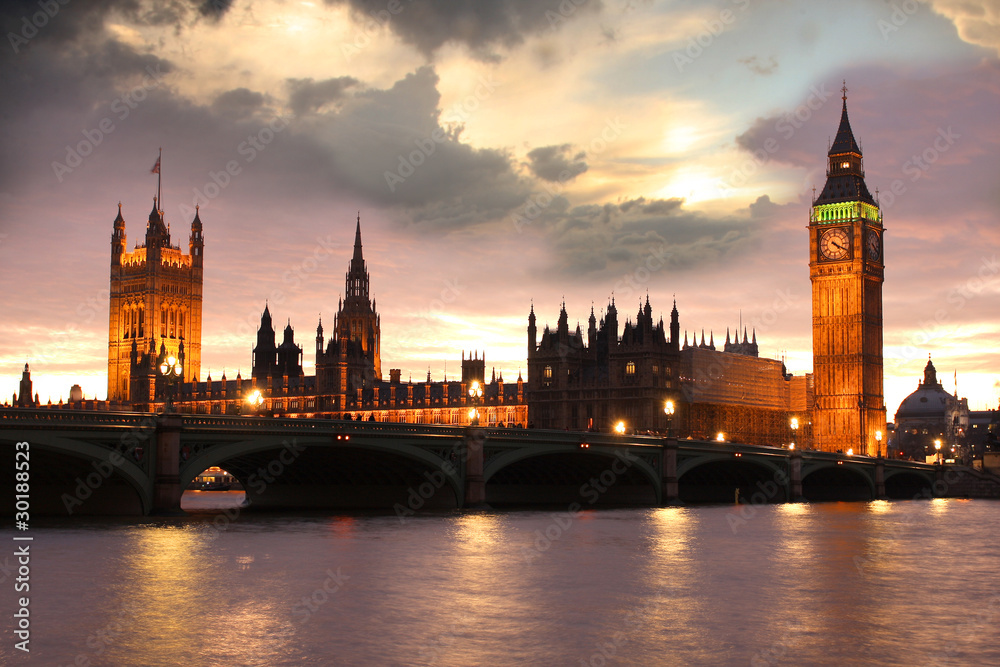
column 593, row 384
column 348, row 383
column 155, row 307
column 846, row 267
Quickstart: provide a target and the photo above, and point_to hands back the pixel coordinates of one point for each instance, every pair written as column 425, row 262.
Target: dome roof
column 928, row 401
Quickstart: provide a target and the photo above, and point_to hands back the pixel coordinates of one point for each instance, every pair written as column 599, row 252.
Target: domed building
column 931, row 414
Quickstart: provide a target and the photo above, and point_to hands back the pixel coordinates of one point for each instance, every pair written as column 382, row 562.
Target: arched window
column 630, row 368
column 548, row 372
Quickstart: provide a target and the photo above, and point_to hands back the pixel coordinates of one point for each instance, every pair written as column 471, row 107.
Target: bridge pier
column 166, row 472
column 475, row 486
column 671, row 490
column 795, row 477
column 880, row 478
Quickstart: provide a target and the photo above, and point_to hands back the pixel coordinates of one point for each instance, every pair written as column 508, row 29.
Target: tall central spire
column 357, row 274
column 357, row 243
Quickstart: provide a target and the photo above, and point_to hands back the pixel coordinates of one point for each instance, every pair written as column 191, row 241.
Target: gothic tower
column 352, row 358
column 846, row 269
column 155, row 305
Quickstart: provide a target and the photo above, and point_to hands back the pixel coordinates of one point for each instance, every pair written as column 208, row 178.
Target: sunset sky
column 500, row 153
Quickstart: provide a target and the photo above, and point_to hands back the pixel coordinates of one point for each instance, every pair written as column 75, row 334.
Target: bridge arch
column 72, row 477
column 320, row 472
column 559, row 475
column 716, row 477
column 908, row 484
column 837, row 480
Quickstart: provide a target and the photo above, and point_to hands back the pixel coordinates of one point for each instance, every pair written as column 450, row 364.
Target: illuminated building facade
column 846, row 268
column 593, row 384
column 155, row 309
column 348, row 383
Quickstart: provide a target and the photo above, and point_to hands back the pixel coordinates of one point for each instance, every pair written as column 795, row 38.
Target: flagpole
column 159, row 175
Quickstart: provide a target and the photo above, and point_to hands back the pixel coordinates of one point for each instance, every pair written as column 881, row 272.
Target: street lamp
column 171, row 372
column 668, row 409
column 255, row 400
column 721, row 437
column 878, row 443
column 620, row 428
column 937, row 446
column 475, row 393
column 795, row 428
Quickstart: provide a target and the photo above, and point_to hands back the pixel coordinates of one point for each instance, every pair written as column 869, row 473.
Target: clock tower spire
column 846, row 268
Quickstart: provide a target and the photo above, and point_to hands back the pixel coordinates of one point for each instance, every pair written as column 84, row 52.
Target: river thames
column 888, row 583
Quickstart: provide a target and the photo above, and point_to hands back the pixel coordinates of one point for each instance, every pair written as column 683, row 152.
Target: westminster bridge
column 140, row 463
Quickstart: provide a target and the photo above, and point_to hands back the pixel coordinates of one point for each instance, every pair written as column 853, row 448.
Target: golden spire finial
column 844, row 91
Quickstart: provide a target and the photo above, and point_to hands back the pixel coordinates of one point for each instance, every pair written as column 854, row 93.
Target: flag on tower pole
column 156, row 170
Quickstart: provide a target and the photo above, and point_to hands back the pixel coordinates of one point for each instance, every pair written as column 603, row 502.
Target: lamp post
column 475, row 394
column 878, row 443
column 255, row 399
column 171, row 371
column 937, row 447
column 795, row 427
column 668, row 409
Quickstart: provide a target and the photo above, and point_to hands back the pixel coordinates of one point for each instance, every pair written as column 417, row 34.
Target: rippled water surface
column 897, row 583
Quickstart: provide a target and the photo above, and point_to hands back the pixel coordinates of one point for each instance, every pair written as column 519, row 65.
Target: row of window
column 629, row 370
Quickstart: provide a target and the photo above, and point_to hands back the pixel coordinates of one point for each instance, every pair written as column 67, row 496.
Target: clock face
column 835, row 244
column 874, row 246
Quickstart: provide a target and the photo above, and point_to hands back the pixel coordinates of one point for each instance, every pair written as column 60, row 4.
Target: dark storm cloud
column 308, row 96
column 393, row 147
column 61, row 21
column 552, row 163
column 616, row 239
column 479, row 25
column 238, row 103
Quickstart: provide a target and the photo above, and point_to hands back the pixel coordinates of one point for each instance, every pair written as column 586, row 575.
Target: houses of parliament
column 579, row 381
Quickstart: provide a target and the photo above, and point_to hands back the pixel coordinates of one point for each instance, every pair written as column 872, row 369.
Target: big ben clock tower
column 846, row 267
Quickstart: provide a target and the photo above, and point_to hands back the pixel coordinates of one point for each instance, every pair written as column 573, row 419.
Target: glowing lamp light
column 476, row 390
column 171, row 366
column 620, row 428
column 791, row 446
column 937, row 444
column 668, row 409
column 255, row 398
column 721, row 437
column 850, row 452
